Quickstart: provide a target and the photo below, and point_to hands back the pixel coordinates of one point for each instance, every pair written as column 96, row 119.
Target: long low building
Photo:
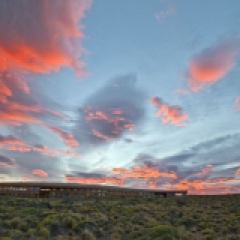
column 79, row 191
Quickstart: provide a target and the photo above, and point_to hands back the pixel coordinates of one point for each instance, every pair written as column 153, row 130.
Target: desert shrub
column 31, row 233
column 181, row 201
column 49, row 222
column 69, row 222
column 209, row 234
column 15, row 223
column 162, row 232
column 23, row 226
column 87, row 235
column 43, row 232
column 186, row 221
column 16, row 234
column 182, row 232
column 115, row 236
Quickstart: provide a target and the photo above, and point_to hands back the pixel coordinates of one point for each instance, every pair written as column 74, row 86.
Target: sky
column 140, row 93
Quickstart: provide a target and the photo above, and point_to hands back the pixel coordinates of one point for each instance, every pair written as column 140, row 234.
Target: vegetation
column 193, row 217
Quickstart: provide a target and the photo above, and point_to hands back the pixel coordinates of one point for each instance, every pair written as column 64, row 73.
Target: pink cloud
column 16, row 104
column 68, row 138
column 98, row 134
column 12, row 143
column 40, row 172
column 237, row 172
column 143, row 172
column 212, row 63
column 36, row 37
column 94, row 180
column 112, row 117
column 204, row 171
column 10, row 140
column 209, row 186
column 41, row 36
column 168, row 113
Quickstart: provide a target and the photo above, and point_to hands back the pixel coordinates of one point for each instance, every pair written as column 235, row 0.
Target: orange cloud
column 12, row 143
column 96, row 180
column 147, row 173
column 152, row 183
column 143, row 172
column 100, row 135
column 208, row 186
column 212, row 63
column 204, row 171
column 114, row 119
column 172, row 114
column 237, row 172
column 40, row 172
column 9, row 140
column 69, row 140
column 50, row 39
column 150, row 175
column 16, row 106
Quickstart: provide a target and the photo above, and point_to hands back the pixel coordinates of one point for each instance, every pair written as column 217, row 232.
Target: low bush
column 43, row 232
column 87, row 235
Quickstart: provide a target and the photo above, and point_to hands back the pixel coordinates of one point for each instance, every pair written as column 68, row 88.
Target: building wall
column 78, row 193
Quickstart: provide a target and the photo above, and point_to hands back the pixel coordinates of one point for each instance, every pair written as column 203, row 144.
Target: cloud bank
column 35, row 37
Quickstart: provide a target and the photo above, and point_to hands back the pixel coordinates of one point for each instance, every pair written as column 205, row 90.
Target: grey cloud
column 214, row 142
column 169, row 161
column 111, row 111
column 86, row 174
column 6, row 161
column 25, row 133
column 25, row 162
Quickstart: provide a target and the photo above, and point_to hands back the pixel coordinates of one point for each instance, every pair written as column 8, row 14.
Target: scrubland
column 189, row 218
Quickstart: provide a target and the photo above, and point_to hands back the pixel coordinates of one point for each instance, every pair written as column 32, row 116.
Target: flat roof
column 79, row 185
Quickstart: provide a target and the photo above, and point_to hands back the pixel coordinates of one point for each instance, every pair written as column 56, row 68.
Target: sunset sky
column 134, row 93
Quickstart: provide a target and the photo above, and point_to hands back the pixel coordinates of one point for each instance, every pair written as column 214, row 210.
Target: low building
column 79, row 191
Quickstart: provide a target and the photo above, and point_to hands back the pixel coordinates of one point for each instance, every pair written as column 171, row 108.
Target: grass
column 193, row 217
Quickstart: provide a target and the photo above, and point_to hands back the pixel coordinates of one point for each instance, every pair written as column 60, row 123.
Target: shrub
column 15, row 223
column 209, row 234
column 43, row 232
column 31, row 232
column 23, row 226
column 115, row 236
column 162, row 232
column 87, row 235
column 69, row 222
column 186, row 221
column 16, row 234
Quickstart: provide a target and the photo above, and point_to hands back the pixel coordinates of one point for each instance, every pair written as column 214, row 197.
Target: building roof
column 84, row 186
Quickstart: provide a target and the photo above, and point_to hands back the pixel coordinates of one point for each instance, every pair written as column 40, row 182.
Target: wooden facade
column 79, row 191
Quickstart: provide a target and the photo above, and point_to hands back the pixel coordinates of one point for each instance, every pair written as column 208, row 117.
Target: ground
column 192, row 217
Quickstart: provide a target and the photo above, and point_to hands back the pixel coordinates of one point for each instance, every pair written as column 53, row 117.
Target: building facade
column 79, row 191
